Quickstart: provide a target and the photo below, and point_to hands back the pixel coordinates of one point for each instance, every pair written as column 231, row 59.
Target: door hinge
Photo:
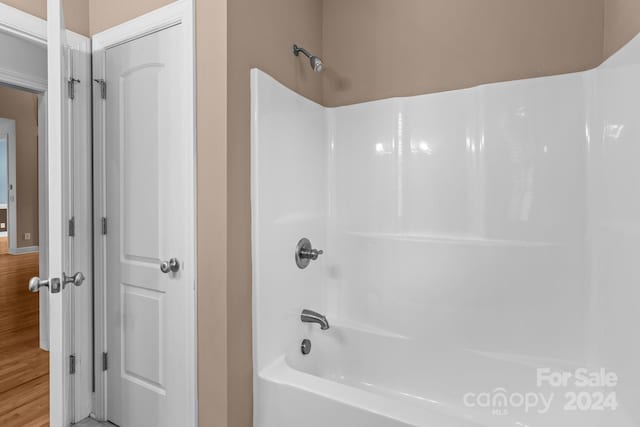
column 72, row 226
column 103, row 87
column 105, row 361
column 71, row 84
column 72, row 364
column 104, row 226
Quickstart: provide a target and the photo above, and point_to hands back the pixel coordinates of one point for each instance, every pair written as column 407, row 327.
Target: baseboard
column 44, row 345
column 27, row 250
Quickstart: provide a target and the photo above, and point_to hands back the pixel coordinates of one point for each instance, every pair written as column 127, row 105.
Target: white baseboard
column 44, row 345
column 27, row 250
column 4, row 233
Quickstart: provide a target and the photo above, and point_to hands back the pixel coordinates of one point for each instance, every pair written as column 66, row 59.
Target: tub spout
column 309, row 316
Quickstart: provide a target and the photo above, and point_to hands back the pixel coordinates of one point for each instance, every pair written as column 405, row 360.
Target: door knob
column 171, row 266
column 36, row 283
column 76, row 279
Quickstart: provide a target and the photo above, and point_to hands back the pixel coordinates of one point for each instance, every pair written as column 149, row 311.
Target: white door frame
column 34, row 29
column 178, row 12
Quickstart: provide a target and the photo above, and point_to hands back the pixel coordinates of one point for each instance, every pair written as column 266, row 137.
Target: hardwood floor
column 24, row 368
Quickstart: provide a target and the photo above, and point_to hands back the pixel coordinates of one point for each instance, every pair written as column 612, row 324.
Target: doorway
column 80, row 359
column 19, row 170
column 24, row 366
column 144, row 169
column 28, row 71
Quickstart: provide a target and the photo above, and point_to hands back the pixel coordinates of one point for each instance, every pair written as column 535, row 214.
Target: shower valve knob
column 305, row 253
column 311, row 254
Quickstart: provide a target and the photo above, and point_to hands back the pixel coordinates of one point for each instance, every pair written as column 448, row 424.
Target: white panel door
column 149, row 176
column 58, row 132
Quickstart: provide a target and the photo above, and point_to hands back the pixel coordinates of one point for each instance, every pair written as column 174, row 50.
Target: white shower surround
column 470, row 237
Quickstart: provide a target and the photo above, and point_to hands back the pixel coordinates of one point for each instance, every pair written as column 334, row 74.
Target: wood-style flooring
column 24, row 367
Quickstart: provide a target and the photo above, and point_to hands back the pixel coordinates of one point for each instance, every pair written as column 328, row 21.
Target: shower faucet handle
column 305, row 253
column 312, row 254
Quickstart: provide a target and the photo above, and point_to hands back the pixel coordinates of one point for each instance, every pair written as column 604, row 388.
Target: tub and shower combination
column 480, row 258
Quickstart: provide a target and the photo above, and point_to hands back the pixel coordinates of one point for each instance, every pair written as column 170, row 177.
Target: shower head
column 314, row 61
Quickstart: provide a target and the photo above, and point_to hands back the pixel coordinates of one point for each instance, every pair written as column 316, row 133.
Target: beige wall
column 211, row 52
column 23, row 108
column 377, row 48
column 76, row 15
column 260, row 34
column 622, row 23
column 107, row 13
column 76, row 12
column 34, row 7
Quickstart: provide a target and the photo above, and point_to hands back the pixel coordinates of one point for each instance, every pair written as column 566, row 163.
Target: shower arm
column 297, row 50
column 314, row 61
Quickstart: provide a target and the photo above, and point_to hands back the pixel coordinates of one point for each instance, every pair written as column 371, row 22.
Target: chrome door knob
column 76, row 279
column 36, row 283
column 171, row 266
column 54, row 283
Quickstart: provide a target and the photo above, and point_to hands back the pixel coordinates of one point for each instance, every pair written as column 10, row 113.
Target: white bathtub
column 470, row 238
column 355, row 378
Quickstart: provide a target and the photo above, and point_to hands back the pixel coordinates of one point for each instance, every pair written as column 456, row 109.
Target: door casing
column 179, row 12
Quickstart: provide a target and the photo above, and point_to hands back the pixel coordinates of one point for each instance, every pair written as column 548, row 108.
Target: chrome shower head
column 314, row 61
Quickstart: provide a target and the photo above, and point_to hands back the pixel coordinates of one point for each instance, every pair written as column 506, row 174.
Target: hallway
column 24, row 367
